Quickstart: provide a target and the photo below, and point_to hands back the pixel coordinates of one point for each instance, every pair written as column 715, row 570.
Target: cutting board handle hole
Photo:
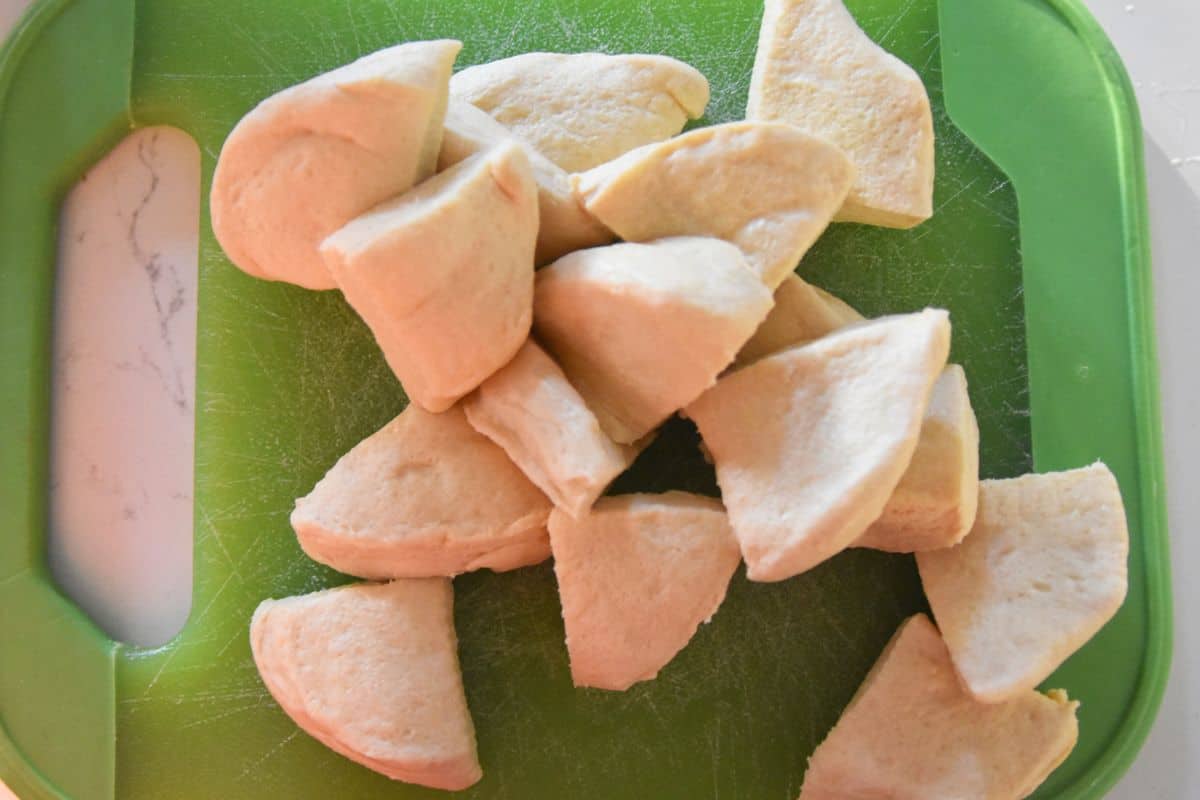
column 123, row 408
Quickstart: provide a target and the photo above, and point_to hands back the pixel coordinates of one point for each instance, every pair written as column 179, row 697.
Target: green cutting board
column 1042, row 261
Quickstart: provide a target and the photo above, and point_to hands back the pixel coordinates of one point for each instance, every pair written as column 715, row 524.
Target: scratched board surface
column 288, row 380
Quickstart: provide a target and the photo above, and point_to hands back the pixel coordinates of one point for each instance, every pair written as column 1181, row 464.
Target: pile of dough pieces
column 552, row 270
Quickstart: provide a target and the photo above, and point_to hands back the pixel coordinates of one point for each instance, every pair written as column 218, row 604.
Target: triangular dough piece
column 817, row 70
column 371, row 671
column 532, row 411
column 1040, row 573
column 801, row 314
column 642, row 329
column 426, row 495
column 582, row 109
column 768, row 188
column 448, row 297
column 637, row 576
column 809, row 443
column 564, row 225
column 934, row 504
column 310, row 158
column 913, row 733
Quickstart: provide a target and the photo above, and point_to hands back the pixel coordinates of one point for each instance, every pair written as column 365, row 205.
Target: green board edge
column 1096, row 173
column 21, row 466
column 56, row 669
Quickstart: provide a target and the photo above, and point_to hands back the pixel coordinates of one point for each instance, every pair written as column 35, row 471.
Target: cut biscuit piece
column 809, row 443
column 912, row 732
column 371, row 671
column 642, row 329
column 582, row 109
column 766, row 187
column 307, row 160
column 802, row 313
column 934, row 504
column 817, row 70
column 637, row 576
column 426, row 495
column 563, row 224
column 443, row 275
column 1040, row 573
column 532, row 411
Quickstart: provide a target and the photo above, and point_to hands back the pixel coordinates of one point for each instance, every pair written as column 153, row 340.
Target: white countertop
column 138, row 187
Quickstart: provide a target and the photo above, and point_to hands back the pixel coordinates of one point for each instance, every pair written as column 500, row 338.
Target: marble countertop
column 131, row 226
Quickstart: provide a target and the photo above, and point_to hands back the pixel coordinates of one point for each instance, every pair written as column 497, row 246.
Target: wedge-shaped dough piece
column 563, row 224
column 912, row 733
column 642, row 329
column 308, row 159
column 1041, row 571
column 934, row 504
column 637, row 576
column 582, row 109
column 801, row 314
column 425, row 495
column 817, row 70
column 809, row 443
column 443, row 275
column 766, row 187
column 532, row 411
column 371, row 671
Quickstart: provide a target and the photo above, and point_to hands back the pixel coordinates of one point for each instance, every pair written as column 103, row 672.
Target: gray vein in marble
column 166, row 289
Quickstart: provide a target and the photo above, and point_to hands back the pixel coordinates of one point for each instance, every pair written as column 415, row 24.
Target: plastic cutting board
column 1045, row 271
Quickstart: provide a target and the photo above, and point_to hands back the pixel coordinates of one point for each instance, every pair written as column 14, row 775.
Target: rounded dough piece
column 912, row 732
column 766, row 187
column 817, row 70
column 1042, row 570
column 443, row 275
column 637, row 576
column 582, row 109
column 809, row 443
column 371, row 671
column 934, row 504
column 801, row 314
column 642, row 329
column 426, row 495
column 532, row 411
column 563, row 224
column 308, row 159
